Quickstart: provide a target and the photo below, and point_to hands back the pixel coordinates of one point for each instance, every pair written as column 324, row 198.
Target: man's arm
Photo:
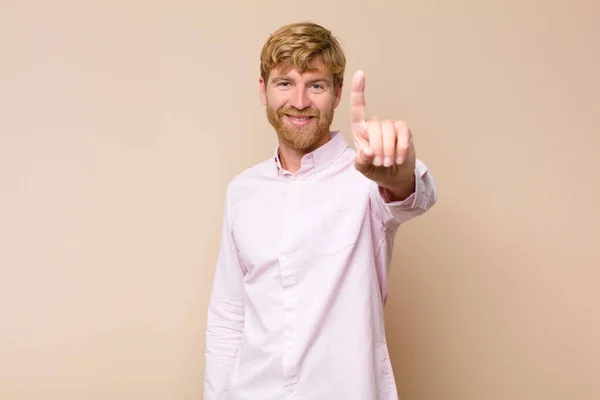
column 385, row 153
column 388, row 214
column 225, row 321
column 399, row 209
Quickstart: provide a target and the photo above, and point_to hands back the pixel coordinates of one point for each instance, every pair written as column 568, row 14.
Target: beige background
column 121, row 122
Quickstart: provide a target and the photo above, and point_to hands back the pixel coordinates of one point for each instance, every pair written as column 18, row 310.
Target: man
column 296, row 309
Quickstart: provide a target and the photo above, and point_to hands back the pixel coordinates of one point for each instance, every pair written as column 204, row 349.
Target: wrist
column 398, row 191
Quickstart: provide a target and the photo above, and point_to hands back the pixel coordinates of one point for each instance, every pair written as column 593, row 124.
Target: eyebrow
column 280, row 78
column 310, row 81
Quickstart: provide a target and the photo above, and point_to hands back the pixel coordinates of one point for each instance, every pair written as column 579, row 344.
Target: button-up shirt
column 296, row 308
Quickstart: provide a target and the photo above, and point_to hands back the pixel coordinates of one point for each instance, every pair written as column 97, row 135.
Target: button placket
column 288, row 273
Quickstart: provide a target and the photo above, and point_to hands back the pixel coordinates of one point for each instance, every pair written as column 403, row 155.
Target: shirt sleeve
column 225, row 321
column 420, row 201
column 389, row 216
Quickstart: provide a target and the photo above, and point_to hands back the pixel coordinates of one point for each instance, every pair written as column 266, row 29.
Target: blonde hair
column 295, row 45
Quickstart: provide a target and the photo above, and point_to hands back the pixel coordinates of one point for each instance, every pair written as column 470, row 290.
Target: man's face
column 301, row 106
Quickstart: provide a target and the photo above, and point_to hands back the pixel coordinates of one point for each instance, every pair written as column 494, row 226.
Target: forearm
column 411, row 199
column 225, row 324
column 225, row 320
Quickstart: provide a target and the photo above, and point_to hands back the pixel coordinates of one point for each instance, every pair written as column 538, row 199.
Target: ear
column 338, row 95
column 263, row 91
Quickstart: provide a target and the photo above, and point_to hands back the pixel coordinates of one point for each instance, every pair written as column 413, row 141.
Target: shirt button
column 292, row 389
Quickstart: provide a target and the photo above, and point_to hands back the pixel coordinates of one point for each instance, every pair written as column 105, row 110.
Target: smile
column 299, row 121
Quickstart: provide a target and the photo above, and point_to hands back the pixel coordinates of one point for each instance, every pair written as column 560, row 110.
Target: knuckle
column 402, row 147
column 401, row 126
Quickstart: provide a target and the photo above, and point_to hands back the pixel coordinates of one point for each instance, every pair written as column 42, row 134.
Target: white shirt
column 296, row 309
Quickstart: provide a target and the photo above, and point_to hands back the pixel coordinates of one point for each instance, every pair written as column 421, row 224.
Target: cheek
column 323, row 102
column 275, row 105
column 324, row 107
column 275, row 100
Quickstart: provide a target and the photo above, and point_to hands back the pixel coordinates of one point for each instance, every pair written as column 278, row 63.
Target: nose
column 300, row 100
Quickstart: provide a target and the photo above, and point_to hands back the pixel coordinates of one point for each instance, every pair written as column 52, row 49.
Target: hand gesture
column 384, row 149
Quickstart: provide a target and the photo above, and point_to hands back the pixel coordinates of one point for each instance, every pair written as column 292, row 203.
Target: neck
column 291, row 159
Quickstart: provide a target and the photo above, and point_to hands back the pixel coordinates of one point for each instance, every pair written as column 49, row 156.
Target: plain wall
column 121, row 123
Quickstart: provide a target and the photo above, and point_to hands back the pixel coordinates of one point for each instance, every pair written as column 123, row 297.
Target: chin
column 307, row 144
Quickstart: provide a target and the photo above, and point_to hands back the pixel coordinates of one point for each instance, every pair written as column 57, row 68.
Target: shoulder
column 251, row 178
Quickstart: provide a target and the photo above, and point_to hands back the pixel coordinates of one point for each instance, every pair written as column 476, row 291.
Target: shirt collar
column 321, row 157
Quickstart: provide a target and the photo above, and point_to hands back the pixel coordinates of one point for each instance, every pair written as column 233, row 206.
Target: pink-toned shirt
column 296, row 309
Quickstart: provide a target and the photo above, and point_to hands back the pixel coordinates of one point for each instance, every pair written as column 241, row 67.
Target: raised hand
column 385, row 151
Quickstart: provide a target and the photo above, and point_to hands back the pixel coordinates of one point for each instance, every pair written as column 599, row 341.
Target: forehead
column 318, row 69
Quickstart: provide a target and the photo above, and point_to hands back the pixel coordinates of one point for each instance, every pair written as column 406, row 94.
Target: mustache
column 294, row 112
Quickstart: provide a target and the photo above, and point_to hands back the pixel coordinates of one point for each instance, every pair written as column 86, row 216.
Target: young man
column 296, row 309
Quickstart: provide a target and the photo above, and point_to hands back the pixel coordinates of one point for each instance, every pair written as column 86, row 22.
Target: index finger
column 357, row 99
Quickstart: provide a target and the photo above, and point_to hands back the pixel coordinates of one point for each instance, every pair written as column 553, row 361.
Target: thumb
column 364, row 158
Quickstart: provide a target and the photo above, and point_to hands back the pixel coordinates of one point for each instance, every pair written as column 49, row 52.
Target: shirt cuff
column 418, row 199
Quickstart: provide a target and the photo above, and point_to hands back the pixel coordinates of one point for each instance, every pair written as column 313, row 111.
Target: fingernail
column 399, row 160
column 377, row 161
column 387, row 161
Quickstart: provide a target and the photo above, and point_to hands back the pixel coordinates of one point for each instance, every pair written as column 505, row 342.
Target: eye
column 318, row 86
column 284, row 84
